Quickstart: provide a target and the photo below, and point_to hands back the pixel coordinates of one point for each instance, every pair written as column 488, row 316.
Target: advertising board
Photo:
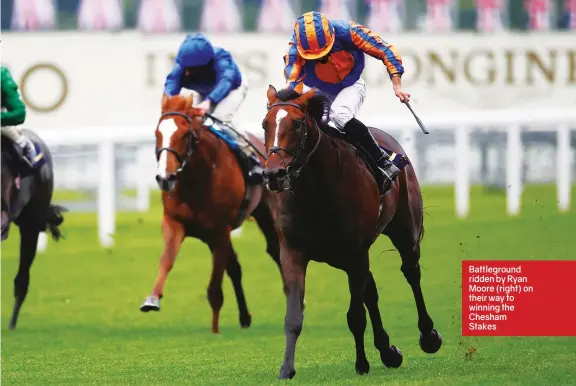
column 71, row 79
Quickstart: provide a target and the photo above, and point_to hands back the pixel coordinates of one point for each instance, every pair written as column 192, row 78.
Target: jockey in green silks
column 13, row 115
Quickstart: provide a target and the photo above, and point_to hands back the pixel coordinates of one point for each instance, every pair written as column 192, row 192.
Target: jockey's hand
column 403, row 96
column 204, row 106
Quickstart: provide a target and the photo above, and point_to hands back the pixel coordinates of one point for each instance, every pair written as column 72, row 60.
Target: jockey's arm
column 15, row 113
column 172, row 85
column 375, row 46
column 294, row 69
column 225, row 73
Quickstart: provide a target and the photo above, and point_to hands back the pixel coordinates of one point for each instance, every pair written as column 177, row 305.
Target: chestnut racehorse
column 205, row 195
column 331, row 211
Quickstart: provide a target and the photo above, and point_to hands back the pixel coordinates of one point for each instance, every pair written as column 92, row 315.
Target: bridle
column 294, row 171
column 183, row 160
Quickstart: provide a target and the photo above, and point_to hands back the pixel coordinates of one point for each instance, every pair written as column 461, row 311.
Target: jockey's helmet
column 195, row 50
column 314, row 35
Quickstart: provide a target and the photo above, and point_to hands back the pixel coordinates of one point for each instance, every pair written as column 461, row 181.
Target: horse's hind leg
column 390, row 355
column 430, row 339
column 222, row 252
column 28, row 245
column 265, row 221
column 173, row 233
column 234, row 271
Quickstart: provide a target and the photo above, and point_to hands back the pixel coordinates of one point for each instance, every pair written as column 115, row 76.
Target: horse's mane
column 314, row 105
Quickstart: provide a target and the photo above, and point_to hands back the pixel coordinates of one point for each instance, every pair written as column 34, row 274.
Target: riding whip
column 417, row 119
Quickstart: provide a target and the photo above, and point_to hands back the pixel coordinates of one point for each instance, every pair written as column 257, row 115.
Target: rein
column 294, row 171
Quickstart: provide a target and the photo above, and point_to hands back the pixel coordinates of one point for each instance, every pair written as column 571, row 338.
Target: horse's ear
column 305, row 98
column 271, row 94
column 189, row 103
column 164, row 102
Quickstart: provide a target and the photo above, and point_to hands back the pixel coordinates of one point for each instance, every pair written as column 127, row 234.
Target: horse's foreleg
column 430, row 339
column 222, row 254
column 28, row 245
column 356, row 315
column 390, row 355
column 294, row 275
column 173, row 233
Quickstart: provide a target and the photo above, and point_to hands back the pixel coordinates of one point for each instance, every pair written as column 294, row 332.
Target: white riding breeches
column 346, row 104
column 229, row 106
column 15, row 134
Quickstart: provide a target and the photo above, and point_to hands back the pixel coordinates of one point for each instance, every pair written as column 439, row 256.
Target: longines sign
column 117, row 79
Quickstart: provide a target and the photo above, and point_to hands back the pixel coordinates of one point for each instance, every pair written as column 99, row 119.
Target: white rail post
column 107, row 194
column 462, row 172
column 142, row 181
column 513, row 170
column 408, row 142
column 563, row 168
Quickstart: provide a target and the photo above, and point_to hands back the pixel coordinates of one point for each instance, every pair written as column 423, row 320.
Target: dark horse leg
column 430, row 339
column 294, row 274
column 390, row 355
column 28, row 244
column 234, row 271
column 224, row 258
column 265, row 221
column 356, row 315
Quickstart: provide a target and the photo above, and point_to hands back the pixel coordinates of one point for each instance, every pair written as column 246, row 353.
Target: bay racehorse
column 331, row 211
column 27, row 201
column 206, row 193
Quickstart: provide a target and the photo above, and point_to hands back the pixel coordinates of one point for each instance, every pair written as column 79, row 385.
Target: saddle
column 247, row 159
column 242, row 149
column 16, row 157
column 398, row 160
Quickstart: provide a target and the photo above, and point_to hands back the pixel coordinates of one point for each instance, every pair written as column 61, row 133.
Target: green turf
column 81, row 324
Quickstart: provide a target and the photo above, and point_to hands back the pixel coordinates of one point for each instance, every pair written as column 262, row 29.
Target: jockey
column 212, row 73
column 329, row 55
column 14, row 114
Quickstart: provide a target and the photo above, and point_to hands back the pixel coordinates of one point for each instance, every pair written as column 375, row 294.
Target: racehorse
column 29, row 207
column 331, row 211
column 206, row 193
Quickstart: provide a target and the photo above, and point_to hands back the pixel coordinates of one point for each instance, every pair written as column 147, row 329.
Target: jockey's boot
column 360, row 135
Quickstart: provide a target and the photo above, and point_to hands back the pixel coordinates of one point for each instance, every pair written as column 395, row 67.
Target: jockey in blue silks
column 212, row 73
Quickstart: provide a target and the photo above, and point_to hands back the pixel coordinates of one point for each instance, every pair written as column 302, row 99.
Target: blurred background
column 384, row 15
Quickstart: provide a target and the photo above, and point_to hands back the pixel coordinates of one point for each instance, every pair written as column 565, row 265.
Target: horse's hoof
column 392, row 357
column 152, row 303
column 286, row 373
column 12, row 326
column 362, row 367
column 246, row 321
column 431, row 343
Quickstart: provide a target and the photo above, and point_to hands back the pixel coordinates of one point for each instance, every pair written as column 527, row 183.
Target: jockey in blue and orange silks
column 329, row 55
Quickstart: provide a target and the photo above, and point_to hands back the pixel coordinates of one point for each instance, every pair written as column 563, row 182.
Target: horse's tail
column 54, row 218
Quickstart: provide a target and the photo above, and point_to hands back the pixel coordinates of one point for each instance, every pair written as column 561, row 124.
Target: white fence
column 462, row 126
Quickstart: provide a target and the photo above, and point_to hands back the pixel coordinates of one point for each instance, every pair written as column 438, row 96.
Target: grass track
column 81, row 324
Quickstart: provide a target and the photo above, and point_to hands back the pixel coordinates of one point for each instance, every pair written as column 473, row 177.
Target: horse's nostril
column 275, row 173
column 172, row 177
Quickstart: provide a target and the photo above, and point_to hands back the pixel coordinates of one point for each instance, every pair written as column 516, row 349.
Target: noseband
column 183, row 160
column 294, row 171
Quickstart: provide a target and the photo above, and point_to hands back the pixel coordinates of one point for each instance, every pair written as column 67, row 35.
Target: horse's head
column 287, row 135
column 176, row 138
